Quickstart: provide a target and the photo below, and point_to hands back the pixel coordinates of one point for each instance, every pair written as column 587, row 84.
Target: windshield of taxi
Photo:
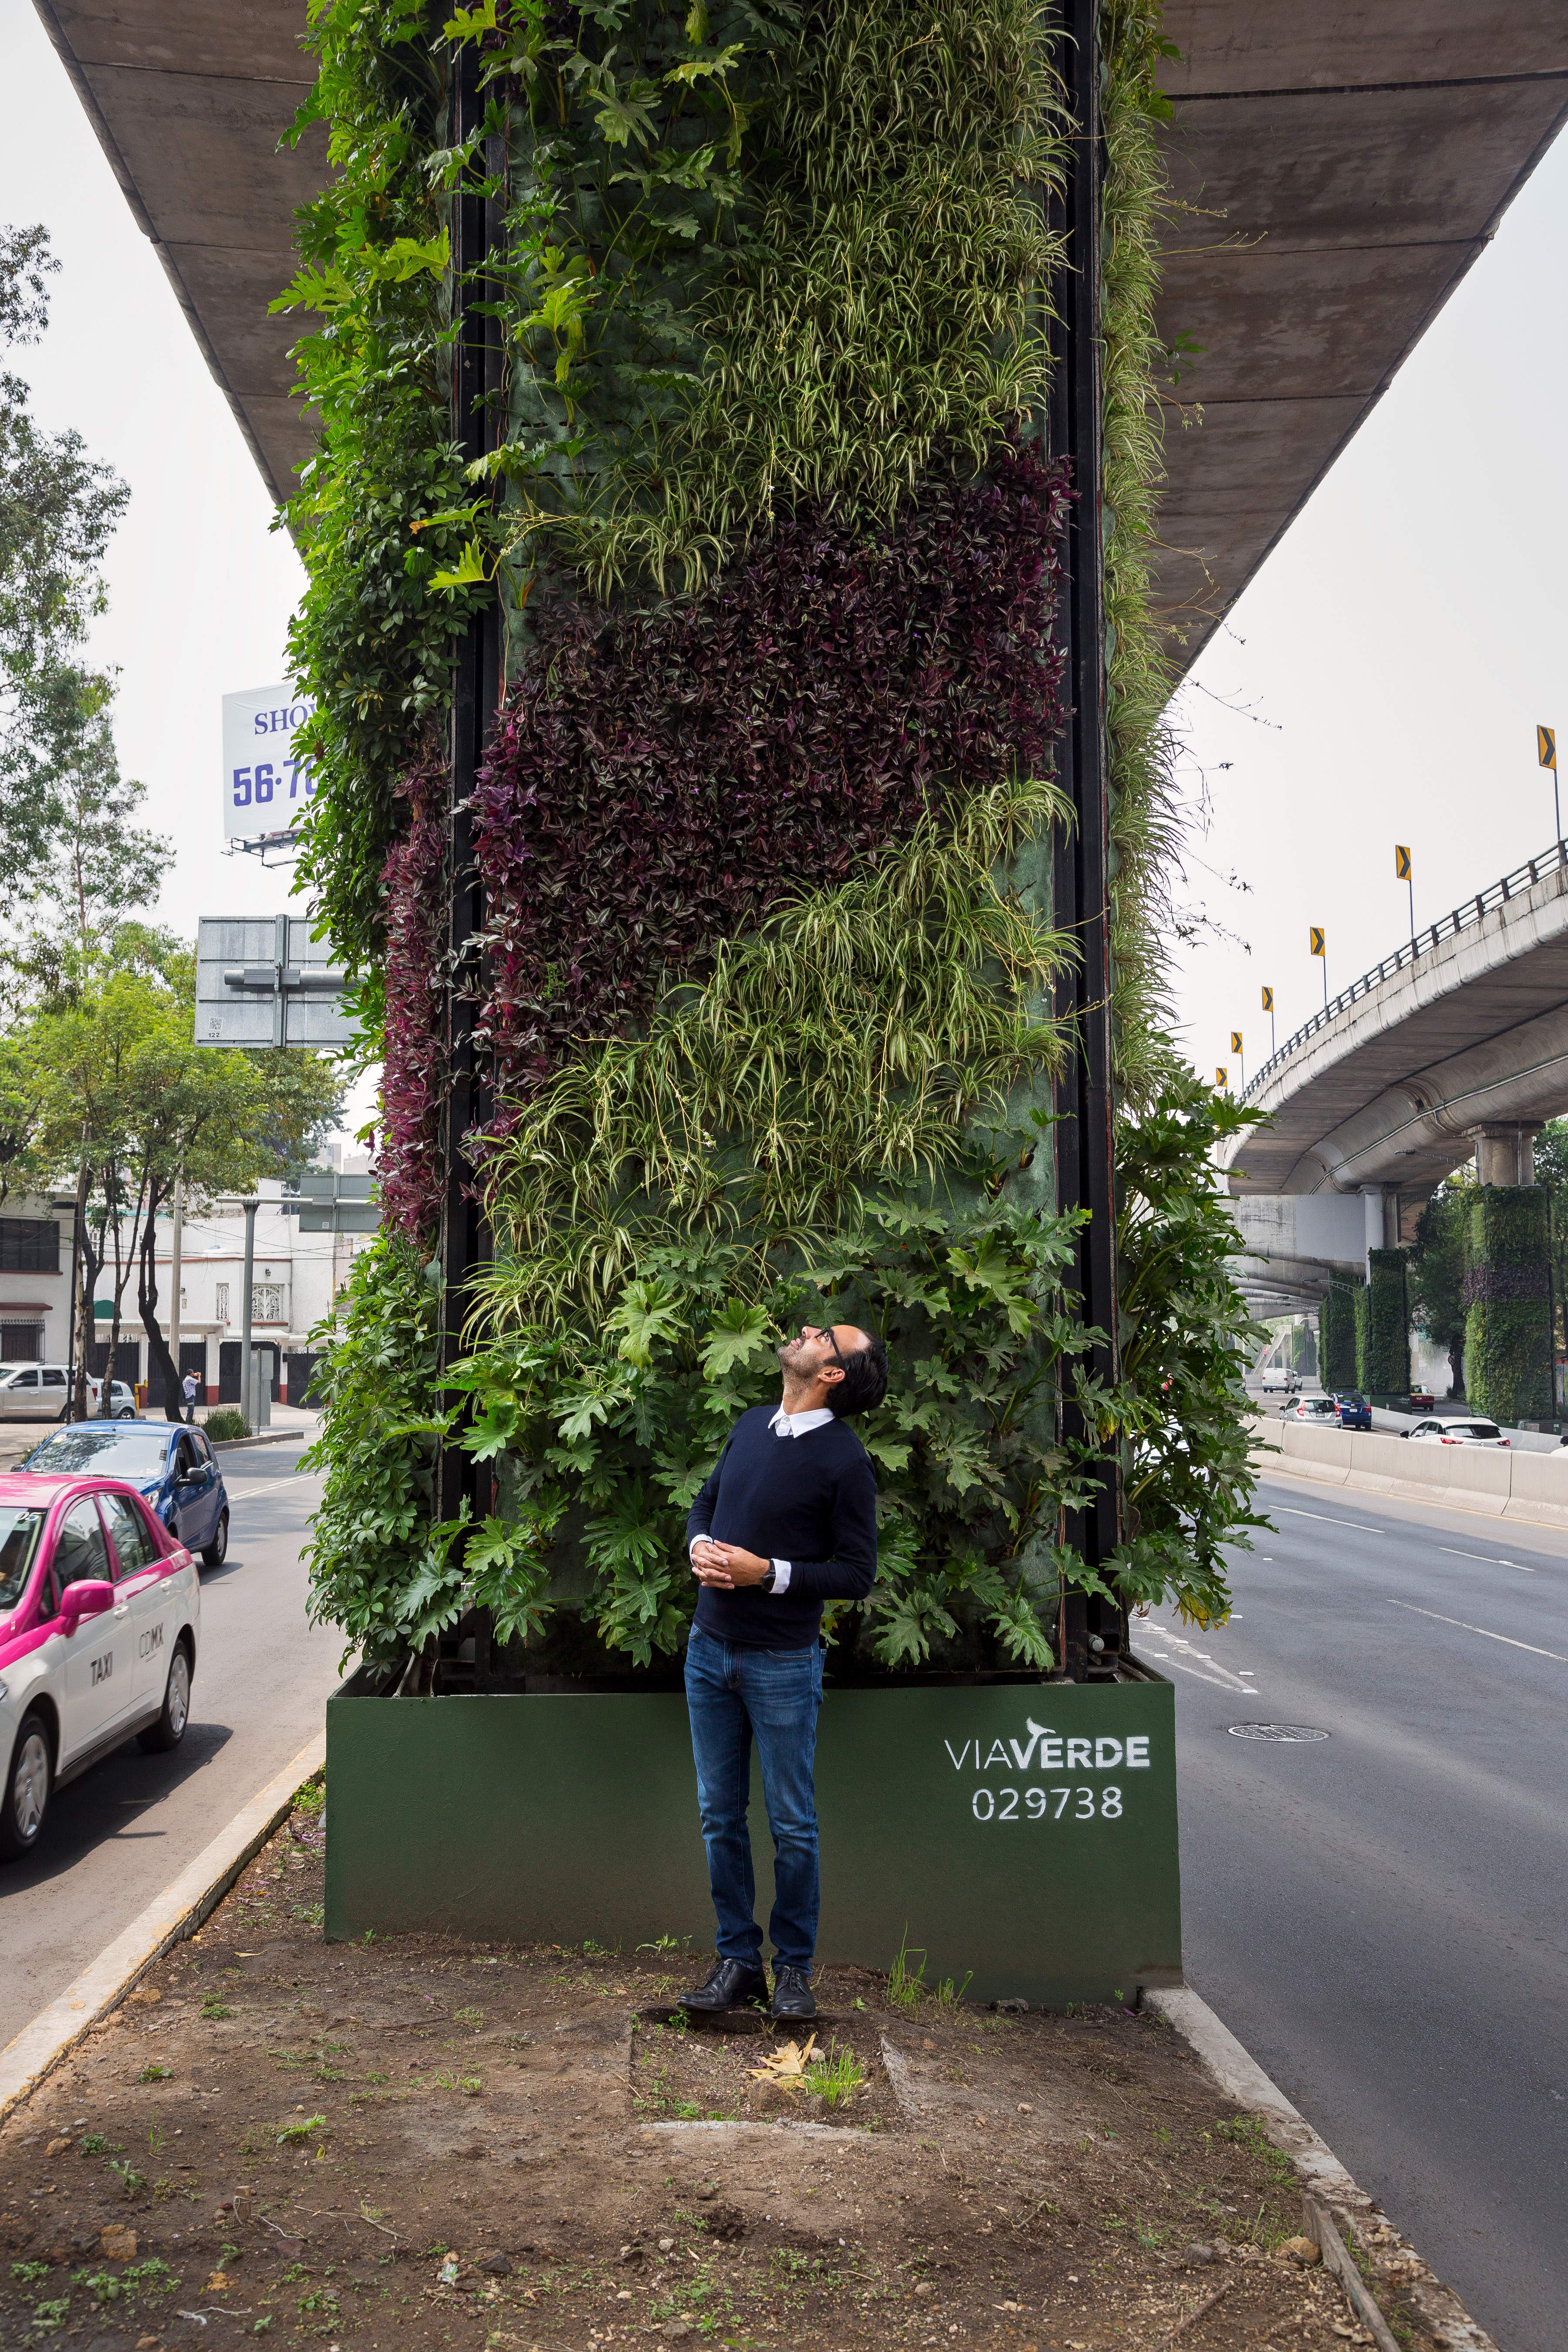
column 18, row 1542
column 100, row 1449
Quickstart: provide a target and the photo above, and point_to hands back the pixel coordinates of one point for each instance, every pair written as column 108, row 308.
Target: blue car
column 1354, row 1413
column 173, row 1466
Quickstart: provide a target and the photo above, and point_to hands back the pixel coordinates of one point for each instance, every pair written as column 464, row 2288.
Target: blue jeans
column 733, row 1696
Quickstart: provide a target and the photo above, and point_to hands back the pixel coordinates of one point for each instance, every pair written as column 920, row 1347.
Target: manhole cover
column 1275, row 1731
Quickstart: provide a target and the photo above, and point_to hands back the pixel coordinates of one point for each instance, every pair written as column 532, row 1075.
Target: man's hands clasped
column 726, row 1565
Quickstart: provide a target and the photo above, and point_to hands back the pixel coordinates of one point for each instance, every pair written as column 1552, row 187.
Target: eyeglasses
column 828, row 1335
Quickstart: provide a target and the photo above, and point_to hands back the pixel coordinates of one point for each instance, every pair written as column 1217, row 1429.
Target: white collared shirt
column 788, row 1424
column 799, row 1424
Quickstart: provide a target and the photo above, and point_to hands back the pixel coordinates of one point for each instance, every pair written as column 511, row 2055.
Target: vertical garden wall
column 1508, row 1303
column 1339, row 1325
column 691, row 624
column 1384, row 1374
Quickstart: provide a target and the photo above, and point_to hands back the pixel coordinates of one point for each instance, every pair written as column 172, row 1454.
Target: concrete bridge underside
column 1337, row 170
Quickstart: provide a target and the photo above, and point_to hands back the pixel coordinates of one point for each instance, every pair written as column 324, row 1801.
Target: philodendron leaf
column 735, row 1337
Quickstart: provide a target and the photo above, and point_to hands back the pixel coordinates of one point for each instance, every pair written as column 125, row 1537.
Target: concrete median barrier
column 1495, row 1482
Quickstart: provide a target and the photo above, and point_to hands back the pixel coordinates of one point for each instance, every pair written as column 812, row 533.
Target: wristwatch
column 766, row 1584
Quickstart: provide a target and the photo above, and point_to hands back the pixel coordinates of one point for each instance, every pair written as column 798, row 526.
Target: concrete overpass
column 1344, row 166
column 1455, row 1046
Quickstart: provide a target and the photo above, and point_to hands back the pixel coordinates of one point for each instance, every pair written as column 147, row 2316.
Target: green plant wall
column 767, row 819
column 1338, row 1352
column 1508, row 1355
column 1385, row 1362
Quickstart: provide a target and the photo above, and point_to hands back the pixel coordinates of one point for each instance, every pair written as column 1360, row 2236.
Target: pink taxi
column 100, row 1610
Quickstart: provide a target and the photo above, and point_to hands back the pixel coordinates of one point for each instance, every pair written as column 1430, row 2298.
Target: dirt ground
column 415, row 2143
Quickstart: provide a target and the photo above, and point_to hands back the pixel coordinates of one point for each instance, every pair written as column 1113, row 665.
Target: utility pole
column 1087, row 1628
column 247, row 1374
column 175, row 1253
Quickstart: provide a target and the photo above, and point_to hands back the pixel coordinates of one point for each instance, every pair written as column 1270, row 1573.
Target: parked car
column 173, row 1467
column 1457, row 1432
column 1352, row 1411
column 1321, row 1410
column 1280, row 1380
column 43, row 1393
column 99, row 1612
column 1422, row 1400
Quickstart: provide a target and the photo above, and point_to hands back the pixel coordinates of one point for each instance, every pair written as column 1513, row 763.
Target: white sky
column 1394, row 655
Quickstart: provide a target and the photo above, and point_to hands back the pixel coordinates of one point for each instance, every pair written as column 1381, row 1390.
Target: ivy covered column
column 1386, row 1372
column 743, row 798
column 1508, row 1303
column 1337, row 1326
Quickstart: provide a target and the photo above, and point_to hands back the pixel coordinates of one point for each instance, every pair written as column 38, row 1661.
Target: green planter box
column 1024, row 1832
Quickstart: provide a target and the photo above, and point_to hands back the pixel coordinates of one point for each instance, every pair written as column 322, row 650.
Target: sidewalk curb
column 177, row 1913
column 1389, row 2257
column 267, row 1437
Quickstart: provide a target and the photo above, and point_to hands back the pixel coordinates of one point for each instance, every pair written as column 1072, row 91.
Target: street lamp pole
column 247, row 1376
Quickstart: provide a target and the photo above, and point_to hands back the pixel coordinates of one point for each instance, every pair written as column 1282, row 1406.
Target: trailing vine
column 370, row 643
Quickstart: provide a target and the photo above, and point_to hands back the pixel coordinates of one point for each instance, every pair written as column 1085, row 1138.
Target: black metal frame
column 1091, row 1630
column 477, row 392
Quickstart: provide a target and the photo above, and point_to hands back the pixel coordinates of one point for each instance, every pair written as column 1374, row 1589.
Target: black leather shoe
column 729, row 1984
column 793, row 1996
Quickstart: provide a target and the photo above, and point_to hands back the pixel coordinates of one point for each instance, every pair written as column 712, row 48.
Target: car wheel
column 170, row 1728
column 126, row 1413
column 28, row 1787
column 216, row 1552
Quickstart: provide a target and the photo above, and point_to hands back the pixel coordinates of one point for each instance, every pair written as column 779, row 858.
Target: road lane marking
column 1291, row 1512
column 1221, row 1677
column 1478, row 1629
column 1487, row 1561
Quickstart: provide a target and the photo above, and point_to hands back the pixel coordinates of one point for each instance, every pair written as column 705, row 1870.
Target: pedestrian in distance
column 786, row 1520
column 188, row 1388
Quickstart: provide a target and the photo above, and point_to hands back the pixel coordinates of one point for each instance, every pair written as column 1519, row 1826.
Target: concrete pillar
column 1505, row 1151
column 1372, row 1199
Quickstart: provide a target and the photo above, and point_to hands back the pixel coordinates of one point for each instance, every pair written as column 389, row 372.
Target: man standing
column 786, row 1520
column 188, row 1387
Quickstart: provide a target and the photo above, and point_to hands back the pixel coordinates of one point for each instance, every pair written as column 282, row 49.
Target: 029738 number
column 1003, row 1804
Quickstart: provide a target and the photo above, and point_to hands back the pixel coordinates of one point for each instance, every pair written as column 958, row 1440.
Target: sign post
column 1235, row 1047
column 1546, row 757
column 1317, row 946
column 1402, row 873
column 1268, row 1008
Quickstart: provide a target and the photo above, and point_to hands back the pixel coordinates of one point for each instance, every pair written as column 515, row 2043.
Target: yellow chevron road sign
column 1314, row 940
column 1269, row 1000
column 1401, row 864
column 1546, row 746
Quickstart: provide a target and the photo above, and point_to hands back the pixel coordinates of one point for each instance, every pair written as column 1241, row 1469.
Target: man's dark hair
column 865, row 1381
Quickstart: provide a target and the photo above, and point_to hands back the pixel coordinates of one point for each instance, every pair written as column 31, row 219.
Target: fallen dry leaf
column 785, row 2066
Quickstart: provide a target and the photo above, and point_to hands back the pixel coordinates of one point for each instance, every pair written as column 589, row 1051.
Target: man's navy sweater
column 811, row 1500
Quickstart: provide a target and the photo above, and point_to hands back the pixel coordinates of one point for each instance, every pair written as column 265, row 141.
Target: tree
column 1436, row 1272
column 58, row 509
column 128, row 1103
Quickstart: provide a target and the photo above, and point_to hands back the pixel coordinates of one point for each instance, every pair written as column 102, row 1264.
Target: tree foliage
column 58, row 511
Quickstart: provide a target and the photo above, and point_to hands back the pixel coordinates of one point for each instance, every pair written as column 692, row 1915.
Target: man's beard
column 786, row 1353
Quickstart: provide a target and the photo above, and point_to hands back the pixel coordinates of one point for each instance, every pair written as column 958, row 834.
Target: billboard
column 265, row 782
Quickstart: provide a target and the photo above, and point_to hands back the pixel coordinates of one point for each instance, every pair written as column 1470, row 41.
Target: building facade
column 302, row 1260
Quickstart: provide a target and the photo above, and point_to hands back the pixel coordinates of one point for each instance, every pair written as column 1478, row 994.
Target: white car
column 1279, row 1380
column 99, row 1612
column 43, row 1393
column 1457, row 1432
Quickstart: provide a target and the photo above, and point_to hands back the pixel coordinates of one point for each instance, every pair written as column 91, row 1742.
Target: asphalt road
column 1382, row 1916
column 116, row 1837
